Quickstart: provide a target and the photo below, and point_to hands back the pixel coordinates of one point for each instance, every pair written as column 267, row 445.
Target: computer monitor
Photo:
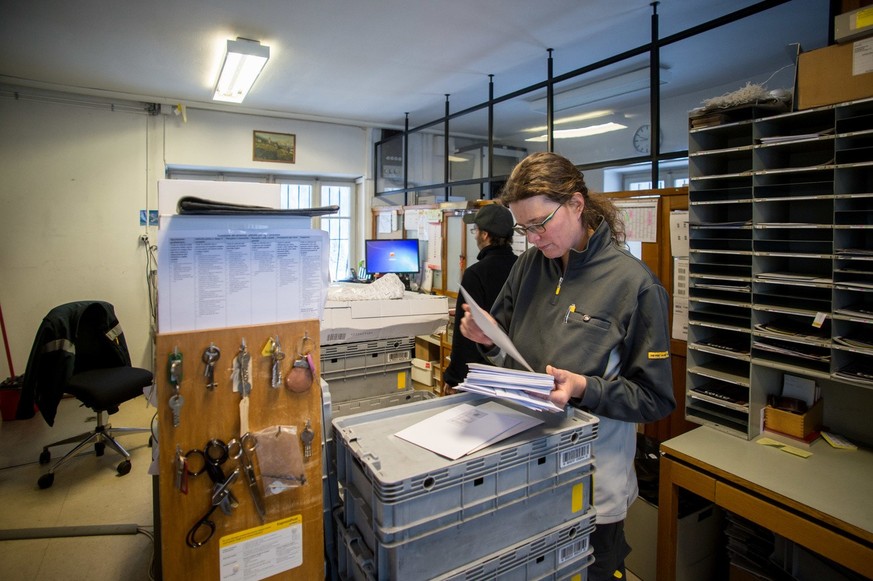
column 387, row 256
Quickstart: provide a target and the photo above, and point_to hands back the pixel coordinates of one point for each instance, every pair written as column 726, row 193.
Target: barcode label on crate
column 336, row 337
column 572, row 550
column 575, row 455
column 399, row 356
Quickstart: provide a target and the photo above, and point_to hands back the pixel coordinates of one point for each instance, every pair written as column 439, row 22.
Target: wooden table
column 823, row 502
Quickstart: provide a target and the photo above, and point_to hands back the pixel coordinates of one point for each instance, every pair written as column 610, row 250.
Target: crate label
column 401, row 380
column 575, row 455
column 572, row 550
column 398, row 356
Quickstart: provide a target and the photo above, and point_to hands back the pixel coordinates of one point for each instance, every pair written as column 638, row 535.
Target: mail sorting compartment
column 447, row 548
column 405, row 484
column 367, row 368
column 563, row 552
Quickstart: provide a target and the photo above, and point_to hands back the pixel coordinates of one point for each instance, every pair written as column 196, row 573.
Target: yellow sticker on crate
column 578, row 500
column 401, row 380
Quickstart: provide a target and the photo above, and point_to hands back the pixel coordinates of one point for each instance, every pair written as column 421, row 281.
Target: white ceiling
column 368, row 61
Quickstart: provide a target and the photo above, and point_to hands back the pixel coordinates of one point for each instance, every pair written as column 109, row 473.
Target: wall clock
column 642, row 137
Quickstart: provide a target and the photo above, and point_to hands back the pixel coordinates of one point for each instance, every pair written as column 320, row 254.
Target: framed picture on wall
column 276, row 147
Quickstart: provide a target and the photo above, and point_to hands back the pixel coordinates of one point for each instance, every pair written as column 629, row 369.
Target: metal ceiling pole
column 550, row 104
column 406, row 159
column 446, row 152
column 655, row 98
column 490, row 141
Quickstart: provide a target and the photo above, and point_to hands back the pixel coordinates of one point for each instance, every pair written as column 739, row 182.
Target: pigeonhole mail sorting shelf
column 409, row 513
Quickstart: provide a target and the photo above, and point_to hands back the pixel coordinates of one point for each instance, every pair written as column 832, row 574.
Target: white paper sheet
column 459, row 430
column 494, row 332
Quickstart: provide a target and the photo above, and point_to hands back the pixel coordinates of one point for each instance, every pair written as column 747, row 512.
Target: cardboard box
column 698, row 539
column 368, row 320
column 797, row 425
column 835, row 74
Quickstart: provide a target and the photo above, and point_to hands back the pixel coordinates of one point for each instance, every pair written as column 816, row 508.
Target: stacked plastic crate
column 520, row 508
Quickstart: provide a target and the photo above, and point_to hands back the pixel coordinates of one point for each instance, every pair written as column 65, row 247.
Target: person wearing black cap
column 492, row 226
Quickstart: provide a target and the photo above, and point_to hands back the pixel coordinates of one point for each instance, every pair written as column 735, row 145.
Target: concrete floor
column 87, row 491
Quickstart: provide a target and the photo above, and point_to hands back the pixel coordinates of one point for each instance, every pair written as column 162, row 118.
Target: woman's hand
column 567, row 385
column 471, row 330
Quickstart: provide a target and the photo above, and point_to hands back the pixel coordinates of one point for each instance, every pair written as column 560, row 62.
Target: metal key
column 306, row 436
column 181, row 480
column 278, row 355
column 210, row 356
column 176, row 402
column 243, row 358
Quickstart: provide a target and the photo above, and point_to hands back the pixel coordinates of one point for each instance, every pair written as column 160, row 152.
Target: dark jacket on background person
column 483, row 280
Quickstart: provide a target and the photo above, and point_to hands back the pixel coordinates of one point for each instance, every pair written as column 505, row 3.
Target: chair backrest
column 99, row 340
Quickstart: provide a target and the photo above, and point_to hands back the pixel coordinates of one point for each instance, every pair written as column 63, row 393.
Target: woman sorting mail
column 581, row 308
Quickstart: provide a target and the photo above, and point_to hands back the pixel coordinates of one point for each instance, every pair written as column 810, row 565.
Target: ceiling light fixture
column 581, row 131
column 599, row 90
column 242, row 64
column 572, row 119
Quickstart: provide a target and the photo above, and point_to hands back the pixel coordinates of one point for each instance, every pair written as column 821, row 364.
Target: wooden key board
column 289, row 543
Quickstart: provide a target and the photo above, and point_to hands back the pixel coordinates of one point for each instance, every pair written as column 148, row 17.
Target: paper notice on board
column 640, row 219
column 261, row 552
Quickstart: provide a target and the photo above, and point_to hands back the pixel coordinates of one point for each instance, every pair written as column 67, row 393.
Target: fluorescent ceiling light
column 242, row 64
column 571, row 119
column 581, row 131
column 599, row 90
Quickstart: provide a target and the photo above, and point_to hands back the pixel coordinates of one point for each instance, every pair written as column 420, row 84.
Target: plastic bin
column 367, row 368
column 449, row 548
column 404, row 485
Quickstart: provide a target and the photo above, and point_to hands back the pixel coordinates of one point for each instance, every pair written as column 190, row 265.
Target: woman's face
column 563, row 230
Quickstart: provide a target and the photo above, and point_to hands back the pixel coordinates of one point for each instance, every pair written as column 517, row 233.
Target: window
column 338, row 226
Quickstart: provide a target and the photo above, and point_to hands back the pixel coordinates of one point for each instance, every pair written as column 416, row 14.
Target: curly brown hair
column 554, row 176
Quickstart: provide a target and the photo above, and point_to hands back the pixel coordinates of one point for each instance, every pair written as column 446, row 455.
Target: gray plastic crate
column 378, row 402
column 559, row 553
column 441, row 550
column 367, row 368
column 405, row 485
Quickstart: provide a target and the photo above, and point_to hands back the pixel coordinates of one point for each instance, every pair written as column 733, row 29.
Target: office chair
column 80, row 350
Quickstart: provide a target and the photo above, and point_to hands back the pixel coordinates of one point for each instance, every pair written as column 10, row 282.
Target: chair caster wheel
column 99, row 448
column 123, row 467
column 44, row 457
column 46, row 480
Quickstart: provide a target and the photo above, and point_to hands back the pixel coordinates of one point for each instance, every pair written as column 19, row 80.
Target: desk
column 822, row 503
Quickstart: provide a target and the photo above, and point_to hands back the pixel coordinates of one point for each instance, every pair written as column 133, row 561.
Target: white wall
column 74, row 179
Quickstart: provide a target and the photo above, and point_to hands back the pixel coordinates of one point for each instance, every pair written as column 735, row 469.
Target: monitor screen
column 397, row 256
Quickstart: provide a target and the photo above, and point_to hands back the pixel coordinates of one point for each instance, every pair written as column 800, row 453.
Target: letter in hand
column 471, row 330
column 567, row 385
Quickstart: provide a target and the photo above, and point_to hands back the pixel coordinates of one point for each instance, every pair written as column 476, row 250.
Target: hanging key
column 181, row 479
column 306, row 437
column 210, row 356
column 278, row 355
column 176, row 402
column 243, row 358
column 175, row 376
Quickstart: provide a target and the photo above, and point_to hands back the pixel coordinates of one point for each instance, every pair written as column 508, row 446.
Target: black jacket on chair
column 53, row 357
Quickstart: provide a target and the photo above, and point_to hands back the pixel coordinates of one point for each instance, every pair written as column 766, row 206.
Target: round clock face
column 641, row 139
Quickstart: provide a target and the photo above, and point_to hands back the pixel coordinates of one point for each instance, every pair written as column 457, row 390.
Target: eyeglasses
column 535, row 228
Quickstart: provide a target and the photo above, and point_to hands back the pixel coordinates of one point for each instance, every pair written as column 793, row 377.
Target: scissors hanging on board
column 241, row 450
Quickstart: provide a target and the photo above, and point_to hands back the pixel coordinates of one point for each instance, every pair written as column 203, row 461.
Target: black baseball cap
column 495, row 219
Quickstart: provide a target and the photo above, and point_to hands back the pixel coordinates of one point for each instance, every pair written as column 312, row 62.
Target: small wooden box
column 797, row 425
